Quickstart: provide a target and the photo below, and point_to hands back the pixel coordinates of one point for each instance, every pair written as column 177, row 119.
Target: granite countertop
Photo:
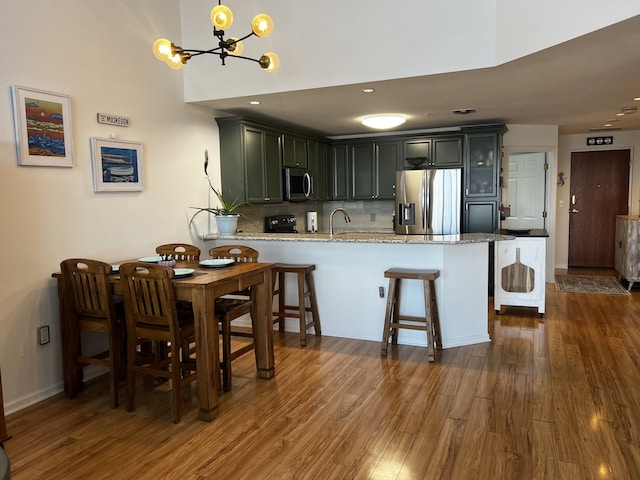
column 533, row 232
column 366, row 237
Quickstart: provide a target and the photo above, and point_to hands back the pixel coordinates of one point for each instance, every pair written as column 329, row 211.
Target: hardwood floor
column 550, row 398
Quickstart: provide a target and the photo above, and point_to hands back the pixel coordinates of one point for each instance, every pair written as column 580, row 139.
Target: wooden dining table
column 201, row 289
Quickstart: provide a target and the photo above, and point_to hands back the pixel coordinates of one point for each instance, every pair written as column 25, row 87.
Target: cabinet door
column 387, row 156
column 294, row 151
column 317, row 157
column 253, row 152
column 447, row 151
column 482, row 165
column 417, row 148
column 272, row 170
column 362, row 172
column 480, row 217
column 340, row 172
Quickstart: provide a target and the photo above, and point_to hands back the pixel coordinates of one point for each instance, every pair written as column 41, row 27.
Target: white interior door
column 526, row 191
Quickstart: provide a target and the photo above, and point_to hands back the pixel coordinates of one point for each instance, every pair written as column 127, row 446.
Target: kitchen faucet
column 347, row 218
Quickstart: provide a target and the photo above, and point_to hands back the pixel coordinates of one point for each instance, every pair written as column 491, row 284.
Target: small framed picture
column 42, row 124
column 117, row 165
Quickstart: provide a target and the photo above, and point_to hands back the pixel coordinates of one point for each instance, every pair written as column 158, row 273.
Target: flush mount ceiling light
column 221, row 18
column 367, row 90
column 382, row 122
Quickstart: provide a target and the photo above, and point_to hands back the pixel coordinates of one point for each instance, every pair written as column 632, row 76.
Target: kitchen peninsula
column 350, row 271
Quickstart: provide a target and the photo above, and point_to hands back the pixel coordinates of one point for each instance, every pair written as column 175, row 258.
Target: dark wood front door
column 599, row 192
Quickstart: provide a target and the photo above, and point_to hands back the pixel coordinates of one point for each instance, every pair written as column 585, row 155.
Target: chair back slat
column 239, row 253
column 149, row 297
column 180, row 251
column 87, row 285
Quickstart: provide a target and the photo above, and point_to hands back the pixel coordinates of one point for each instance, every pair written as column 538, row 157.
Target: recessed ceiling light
column 383, row 121
column 620, row 114
column 637, row 99
column 629, row 109
column 367, row 90
column 608, row 125
column 254, row 102
column 463, row 111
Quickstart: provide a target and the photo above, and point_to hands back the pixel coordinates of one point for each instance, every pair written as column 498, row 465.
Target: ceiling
column 579, row 85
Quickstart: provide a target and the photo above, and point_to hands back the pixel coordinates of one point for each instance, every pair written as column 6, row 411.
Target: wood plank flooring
column 556, row 397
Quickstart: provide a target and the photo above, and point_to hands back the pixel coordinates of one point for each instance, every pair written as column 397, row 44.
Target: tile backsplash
column 370, row 216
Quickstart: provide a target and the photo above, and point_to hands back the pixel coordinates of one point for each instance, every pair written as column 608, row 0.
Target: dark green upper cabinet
column 433, row 152
column 317, row 156
column 340, row 172
column 294, row 151
column 447, row 151
column 417, row 153
column 363, row 175
column 250, row 161
column 482, row 164
column 387, row 157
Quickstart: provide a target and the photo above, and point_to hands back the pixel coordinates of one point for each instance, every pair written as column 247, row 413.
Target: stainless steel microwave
column 298, row 184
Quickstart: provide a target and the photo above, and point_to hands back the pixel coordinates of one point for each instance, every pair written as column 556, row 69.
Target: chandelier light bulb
column 235, row 47
column 162, row 48
column 262, row 25
column 175, row 62
column 221, row 17
column 269, row 61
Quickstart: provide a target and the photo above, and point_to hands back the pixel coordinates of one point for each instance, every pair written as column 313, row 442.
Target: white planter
column 227, row 224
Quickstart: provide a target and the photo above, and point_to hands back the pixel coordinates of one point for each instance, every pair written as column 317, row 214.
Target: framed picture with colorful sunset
column 42, row 123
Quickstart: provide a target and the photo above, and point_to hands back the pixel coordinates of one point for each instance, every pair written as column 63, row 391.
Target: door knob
column 574, row 210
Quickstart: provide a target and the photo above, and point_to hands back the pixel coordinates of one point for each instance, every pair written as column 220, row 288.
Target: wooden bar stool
column 430, row 322
column 304, row 275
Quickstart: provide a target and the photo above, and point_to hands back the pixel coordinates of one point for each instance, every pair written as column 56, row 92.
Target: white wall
column 99, row 53
column 578, row 143
column 385, row 40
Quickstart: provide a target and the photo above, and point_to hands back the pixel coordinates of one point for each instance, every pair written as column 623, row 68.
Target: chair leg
column 391, row 295
column 131, row 374
column 436, row 316
column 176, row 377
column 302, row 311
column 226, row 354
column 314, row 306
column 114, row 367
column 396, row 311
column 428, row 304
column 281, row 300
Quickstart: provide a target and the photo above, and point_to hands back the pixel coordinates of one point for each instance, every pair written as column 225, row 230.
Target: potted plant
column 225, row 214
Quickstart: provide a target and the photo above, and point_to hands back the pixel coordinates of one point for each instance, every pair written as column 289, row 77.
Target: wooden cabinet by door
column 250, row 163
column 294, row 151
column 4, row 436
column 627, row 254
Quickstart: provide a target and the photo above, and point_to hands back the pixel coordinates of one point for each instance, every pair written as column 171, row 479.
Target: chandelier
column 221, row 18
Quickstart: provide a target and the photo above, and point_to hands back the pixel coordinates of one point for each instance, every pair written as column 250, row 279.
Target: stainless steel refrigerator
column 428, row 201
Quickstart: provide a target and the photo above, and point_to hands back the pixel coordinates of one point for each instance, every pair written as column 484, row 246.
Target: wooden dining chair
column 91, row 306
column 231, row 307
column 180, row 251
column 151, row 314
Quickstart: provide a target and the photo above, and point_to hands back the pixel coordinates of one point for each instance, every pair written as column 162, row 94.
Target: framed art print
column 42, row 124
column 117, row 165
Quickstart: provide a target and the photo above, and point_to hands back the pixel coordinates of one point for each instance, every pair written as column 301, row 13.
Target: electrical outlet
column 43, row 335
column 373, row 217
column 381, row 292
